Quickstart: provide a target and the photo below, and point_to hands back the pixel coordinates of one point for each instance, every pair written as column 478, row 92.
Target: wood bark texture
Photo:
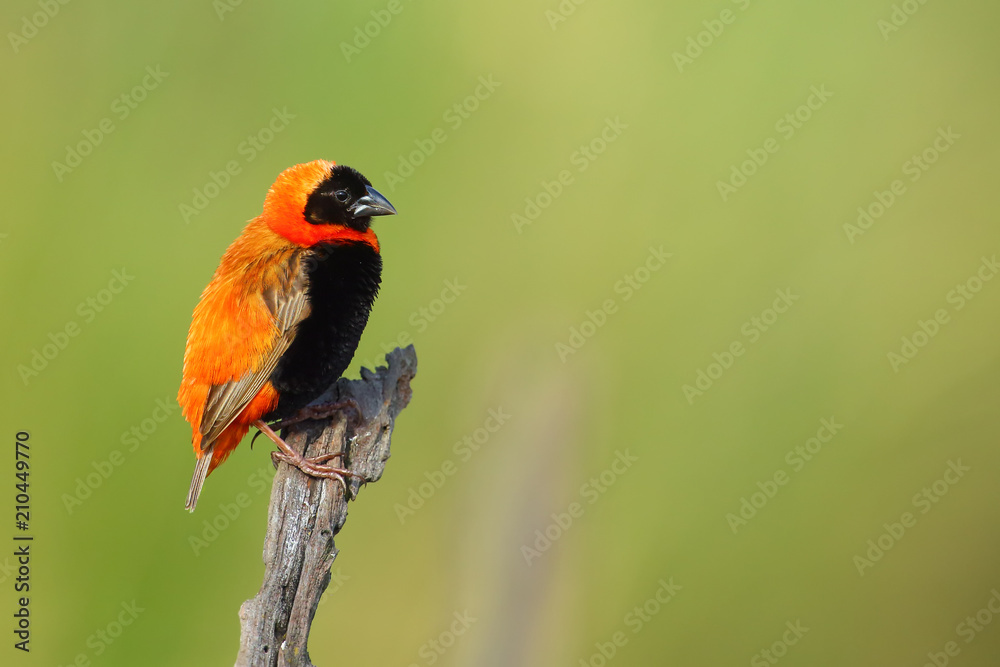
column 306, row 513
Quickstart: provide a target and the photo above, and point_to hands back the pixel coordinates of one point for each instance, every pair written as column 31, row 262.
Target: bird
column 283, row 314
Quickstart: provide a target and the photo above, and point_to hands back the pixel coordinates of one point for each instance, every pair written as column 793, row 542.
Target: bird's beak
column 371, row 204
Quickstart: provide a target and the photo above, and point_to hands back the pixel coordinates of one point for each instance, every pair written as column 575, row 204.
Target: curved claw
column 254, row 438
column 314, row 467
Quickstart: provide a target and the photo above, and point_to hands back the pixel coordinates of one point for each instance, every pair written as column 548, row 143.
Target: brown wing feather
column 287, row 300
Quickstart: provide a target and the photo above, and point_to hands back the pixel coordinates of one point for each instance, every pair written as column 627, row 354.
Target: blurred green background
column 712, row 512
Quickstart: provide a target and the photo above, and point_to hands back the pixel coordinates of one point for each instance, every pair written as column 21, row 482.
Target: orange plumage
column 245, row 326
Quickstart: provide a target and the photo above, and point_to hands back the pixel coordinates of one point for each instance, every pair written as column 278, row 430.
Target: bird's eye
column 343, row 196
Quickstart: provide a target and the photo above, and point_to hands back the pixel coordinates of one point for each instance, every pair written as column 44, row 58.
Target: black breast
column 343, row 282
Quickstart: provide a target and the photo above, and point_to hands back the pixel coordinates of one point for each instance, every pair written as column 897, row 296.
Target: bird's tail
column 201, row 469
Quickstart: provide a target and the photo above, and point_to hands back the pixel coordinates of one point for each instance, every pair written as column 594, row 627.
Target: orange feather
column 234, row 333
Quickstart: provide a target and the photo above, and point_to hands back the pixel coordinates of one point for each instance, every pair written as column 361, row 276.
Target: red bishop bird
column 283, row 314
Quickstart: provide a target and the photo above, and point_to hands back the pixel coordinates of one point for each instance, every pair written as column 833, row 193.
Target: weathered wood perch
column 306, row 513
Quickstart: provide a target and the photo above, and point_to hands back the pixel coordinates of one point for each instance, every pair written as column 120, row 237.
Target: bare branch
column 306, row 513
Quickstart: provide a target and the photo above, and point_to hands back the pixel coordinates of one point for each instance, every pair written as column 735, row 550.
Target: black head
column 346, row 198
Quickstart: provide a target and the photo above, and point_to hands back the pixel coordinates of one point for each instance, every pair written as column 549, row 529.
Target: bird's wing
column 284, row 296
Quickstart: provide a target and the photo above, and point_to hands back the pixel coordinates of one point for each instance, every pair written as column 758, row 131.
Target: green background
column 399, row 582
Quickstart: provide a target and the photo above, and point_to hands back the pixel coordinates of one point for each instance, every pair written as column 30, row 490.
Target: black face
column 346, row 198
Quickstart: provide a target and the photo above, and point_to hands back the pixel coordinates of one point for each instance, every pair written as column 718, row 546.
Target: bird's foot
column 313, row 466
